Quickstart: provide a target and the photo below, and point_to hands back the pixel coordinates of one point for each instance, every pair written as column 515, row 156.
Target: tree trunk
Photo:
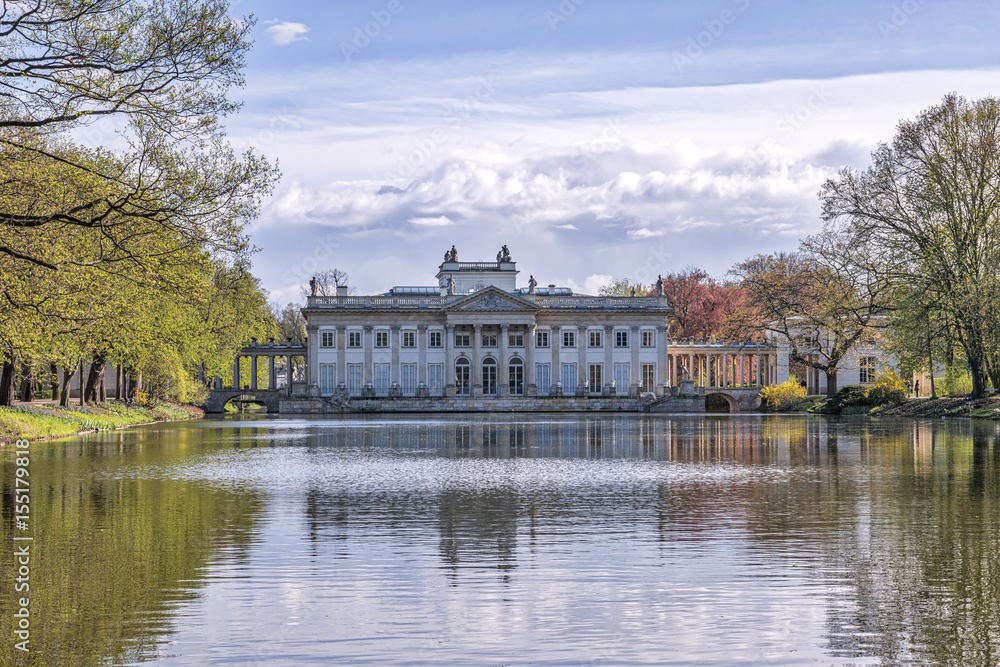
column 102, row 394
column 54, row 381
column 68, row 373
column 831, row 383
column 28, row 384
column 119, row 377
column 95, row 376
column 83, row 398
column 8, row 382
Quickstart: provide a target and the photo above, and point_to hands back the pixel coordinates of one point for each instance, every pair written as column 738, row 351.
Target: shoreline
column 42, row 421
column 947, row 407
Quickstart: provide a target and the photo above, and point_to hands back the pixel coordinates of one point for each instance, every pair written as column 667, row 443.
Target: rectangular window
column 326, row 339
column 541, row 339
column 409, row 339
column 515, row 339
column 569, row 378
column 866, row 373
column 463, row 339
column 489, row 340
column 434, row 339
column 327, row 378
column 596, row 340
column 408, row 377
column 569, row 339
column 542, row 380
column 353, row 339
column 621, row 339
column 595, row 377
column 622, row 379
column 355, row 378
column 648, row 377
column 649, row 339
column 381, row 339
column 382, row 379
column 435, row 379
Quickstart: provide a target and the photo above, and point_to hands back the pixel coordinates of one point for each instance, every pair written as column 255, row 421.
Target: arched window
column 463, row 377
column 490, row 377
column 516, row 377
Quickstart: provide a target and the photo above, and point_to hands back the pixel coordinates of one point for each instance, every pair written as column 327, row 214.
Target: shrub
column 887, row 388
column 783, row 396
column 849, row 399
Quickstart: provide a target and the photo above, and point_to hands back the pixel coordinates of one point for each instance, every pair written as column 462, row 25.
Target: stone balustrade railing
column 349, row 302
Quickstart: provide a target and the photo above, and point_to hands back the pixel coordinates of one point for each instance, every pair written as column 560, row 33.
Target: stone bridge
column 270, row 399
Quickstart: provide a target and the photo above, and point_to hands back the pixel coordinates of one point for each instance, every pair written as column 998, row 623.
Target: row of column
column 272, row 372
column 723, row 369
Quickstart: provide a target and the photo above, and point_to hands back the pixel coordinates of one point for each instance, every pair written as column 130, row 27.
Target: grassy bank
column 40, row 421
column 917, row 408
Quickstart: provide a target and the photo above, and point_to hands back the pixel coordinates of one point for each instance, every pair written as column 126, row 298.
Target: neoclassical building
column 476, row 334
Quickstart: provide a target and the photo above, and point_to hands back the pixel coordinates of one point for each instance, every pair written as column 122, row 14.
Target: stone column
column 368, row 341
column 312, row 358
column 609, row 360
column 555, row 342
column 272, row 375
column 634, row 340
column 743, row 370
column 236, row 373
column 661, row 365
column 503, row 372
column 477, row 360
column 725, row 370
column 449, row 359
column 253, row 372
column 759, row 373
column 530, row 381
column 341, row 355
column 395, row 342
column 421, row 354
column 582, row 345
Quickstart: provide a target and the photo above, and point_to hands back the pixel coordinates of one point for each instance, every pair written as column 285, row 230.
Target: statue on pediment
column 659, row 286
column 451, row 284
column 532, row 284
column 504, row 255
column 313, row 286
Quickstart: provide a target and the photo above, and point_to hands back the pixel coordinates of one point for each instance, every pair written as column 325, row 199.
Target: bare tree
column 930, row 203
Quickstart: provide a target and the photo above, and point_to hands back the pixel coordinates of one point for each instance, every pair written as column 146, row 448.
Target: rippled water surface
column 513, row 540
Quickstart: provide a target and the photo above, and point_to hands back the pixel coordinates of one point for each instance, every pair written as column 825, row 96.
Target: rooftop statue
column 313, row 285
column 532, row 284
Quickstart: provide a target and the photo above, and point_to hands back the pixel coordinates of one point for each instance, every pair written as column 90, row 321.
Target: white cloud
column 652, row 178
column 440, row 221
column 286, row 32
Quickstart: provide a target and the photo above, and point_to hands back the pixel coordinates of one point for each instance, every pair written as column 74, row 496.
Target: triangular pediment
column 492, row 299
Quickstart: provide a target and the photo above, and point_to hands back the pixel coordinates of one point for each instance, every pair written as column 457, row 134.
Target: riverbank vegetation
column 43, row 420
column 123, row 209
column 908, row 260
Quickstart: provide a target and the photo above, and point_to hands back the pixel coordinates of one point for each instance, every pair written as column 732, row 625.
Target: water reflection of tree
column 112, row 557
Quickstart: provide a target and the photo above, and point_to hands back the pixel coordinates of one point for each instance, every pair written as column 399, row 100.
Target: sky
column 596, row 139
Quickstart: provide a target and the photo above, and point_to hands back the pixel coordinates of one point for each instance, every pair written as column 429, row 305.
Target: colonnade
column 715, row 365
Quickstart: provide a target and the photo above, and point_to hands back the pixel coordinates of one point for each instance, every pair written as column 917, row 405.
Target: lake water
column 512, row 540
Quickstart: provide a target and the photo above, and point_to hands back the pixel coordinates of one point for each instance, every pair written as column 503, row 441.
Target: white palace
column 477, row 335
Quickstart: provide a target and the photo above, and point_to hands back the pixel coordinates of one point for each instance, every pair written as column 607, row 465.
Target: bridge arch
column 731, row 403
column 219, row 398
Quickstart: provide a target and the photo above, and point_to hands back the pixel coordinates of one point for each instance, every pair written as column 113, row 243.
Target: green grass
column 53, row 421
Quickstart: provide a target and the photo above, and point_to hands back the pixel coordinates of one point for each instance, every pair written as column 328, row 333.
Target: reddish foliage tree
column 705, row 307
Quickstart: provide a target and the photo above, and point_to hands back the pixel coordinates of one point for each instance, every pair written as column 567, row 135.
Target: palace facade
column 477, row 334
